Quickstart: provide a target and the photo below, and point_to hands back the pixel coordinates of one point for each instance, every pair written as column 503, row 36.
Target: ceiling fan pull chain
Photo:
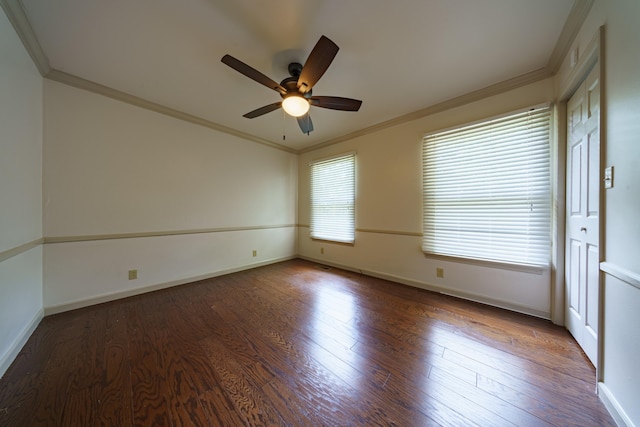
column 284, row 122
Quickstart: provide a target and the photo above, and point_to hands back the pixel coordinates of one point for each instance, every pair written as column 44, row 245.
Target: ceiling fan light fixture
column 295, row 105
column 296, row 91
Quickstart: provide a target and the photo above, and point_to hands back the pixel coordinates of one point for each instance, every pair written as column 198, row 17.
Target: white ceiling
column 397, row 57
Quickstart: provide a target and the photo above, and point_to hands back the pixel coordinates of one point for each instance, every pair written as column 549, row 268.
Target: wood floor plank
column 368, row 380
column 185, row 408
column 114, row 405
column 114, row 402
column 246, row 397
column 403, row 392
column 499, row 407
column 295, row 343
column 79, row 409
column 315, row 380
column 219, row 408
column 554, row 411
column 468, row 353
column 292, row 408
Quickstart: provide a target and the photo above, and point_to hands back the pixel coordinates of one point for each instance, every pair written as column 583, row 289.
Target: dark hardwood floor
column 295, row 344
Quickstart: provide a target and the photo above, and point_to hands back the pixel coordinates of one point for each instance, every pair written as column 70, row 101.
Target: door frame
column 593, row 56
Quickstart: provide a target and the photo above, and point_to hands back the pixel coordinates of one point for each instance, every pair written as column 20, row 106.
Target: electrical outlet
column 321, row 250
column 133, row 274
column 255, row 253
column 440, row 272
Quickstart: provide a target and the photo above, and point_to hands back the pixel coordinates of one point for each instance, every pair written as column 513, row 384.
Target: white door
column 583, row 203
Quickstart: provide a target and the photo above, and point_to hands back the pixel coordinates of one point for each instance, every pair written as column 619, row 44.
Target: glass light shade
column 295, row 105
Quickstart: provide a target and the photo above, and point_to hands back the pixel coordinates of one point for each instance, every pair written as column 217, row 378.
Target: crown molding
column 18, row 18
column 577, row 16
column 477, row 95
column 88, row 85
column 575, row 20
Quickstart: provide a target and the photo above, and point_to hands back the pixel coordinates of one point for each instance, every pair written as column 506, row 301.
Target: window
column 487, row 190
column 333, row 199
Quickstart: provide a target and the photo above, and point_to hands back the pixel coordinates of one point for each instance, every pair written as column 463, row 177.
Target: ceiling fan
column 296, row 90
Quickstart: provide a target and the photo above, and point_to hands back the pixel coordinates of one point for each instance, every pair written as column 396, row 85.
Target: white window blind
column 333, row 199
column 487, row 190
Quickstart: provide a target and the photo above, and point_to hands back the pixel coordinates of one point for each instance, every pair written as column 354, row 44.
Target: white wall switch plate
column 608, row 177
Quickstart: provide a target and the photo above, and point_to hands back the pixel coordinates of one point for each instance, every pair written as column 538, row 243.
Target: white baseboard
column 8, row 358
column 430, row 287
column 99, row 299
column 611, row 403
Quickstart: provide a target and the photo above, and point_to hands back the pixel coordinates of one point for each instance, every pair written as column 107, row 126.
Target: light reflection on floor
column 334, row 310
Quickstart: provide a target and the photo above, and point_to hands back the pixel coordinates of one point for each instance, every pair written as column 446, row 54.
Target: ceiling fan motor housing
column 295, row 68
column 291, row 85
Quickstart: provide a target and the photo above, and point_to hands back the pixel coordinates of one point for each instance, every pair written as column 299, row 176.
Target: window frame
column 541, row 253
column 324, row 234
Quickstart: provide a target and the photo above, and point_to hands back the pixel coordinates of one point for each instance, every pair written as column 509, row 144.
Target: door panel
column 583, row 200
column 590, row 338
column 593, row 273
column 576, row 173
column 574, row 271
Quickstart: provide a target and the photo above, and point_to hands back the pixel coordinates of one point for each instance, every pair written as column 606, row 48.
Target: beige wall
column 111, row 168
column 20, row 195
column 389, row 211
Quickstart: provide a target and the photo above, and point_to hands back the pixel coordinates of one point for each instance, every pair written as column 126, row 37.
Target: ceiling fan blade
column 305, row 123
column 317, row 63
column 336, row 103
column 262, row 110
column 252, row 73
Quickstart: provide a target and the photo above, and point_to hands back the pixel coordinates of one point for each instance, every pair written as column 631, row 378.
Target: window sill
column 337, row 242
